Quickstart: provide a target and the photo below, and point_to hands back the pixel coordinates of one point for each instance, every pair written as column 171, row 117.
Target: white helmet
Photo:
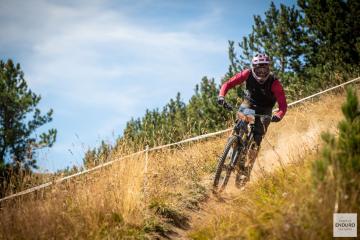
column 260, row 67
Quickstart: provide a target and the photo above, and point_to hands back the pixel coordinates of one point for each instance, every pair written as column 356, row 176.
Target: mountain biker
column 263, row 90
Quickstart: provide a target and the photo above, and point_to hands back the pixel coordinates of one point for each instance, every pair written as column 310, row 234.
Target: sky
column 98, row 63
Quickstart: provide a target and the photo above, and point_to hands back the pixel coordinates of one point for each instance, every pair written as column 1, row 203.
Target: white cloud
column 89, row 46
column 102, row 53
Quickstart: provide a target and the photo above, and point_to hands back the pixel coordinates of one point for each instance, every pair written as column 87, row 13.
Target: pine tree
column 205, row 115
column 19, row 119
column 334, row 31
column 281, row 35
column 247, row 48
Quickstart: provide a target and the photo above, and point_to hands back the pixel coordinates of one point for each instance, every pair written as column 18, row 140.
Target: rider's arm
column 233, row 81
column 278, row 91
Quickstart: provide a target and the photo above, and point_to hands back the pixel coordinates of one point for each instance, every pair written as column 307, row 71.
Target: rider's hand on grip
column 221, row 100
column 275, row 118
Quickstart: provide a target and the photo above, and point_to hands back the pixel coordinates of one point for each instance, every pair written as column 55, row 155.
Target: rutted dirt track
column 297, row 135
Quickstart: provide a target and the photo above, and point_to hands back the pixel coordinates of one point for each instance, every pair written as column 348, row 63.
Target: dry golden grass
column 124, row 201
column 113, row 202
column 81, row 208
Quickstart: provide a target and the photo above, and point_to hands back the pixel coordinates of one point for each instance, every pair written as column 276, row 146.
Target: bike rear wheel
column 226, row 164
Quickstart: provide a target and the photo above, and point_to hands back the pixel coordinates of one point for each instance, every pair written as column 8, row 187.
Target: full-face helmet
column 260, row 67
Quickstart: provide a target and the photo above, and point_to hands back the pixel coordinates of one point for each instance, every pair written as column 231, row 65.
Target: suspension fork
column 240, row 130
column 236, row 153
column 250, row 136
column 246, row 142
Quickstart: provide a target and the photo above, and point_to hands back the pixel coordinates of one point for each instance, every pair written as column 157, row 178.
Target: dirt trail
column 297, row 135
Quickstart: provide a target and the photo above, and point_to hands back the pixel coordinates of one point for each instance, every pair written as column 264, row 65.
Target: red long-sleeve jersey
column 276, row 89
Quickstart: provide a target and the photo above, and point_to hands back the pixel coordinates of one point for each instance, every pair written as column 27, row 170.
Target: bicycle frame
column 239, row 141
column 244, row 133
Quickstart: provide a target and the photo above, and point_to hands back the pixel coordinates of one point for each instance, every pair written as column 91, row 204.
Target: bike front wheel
column 226, row 163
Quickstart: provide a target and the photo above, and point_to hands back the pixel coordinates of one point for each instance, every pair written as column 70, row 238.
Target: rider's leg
column 260, row 129
column 261, row 125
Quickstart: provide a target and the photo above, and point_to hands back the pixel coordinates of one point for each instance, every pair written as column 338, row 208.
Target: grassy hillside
column 173, row 198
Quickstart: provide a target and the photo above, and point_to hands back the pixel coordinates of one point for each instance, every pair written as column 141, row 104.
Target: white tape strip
column 190, row 139
column 156, row 148
column 327, row 90
column 33, row 189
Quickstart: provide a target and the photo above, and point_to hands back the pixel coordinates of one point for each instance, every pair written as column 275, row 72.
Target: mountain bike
column 239, row 146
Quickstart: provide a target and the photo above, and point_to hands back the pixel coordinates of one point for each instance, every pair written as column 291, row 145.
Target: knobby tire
column 220, row 166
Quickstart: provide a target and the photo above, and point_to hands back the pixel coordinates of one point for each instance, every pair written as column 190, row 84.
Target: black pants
column 261, row 124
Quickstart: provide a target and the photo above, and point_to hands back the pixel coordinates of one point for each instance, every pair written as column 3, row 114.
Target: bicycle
column 239, row 144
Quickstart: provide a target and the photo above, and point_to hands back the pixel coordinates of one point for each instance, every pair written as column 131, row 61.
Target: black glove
column 275, row 118
column 221, row 100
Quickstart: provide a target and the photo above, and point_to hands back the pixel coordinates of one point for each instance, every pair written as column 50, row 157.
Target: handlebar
column 229, row 107
column 264, row 116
